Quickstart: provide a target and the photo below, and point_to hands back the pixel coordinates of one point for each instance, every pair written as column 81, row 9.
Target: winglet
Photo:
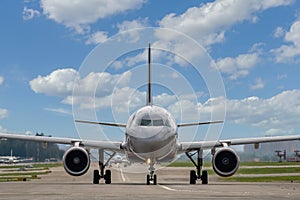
column 149, row 92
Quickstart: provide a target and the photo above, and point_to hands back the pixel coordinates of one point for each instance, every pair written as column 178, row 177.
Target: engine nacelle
column 225, row 162
column 76, row 161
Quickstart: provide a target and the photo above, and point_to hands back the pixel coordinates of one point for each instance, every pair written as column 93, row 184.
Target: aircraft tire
column 154, row 179
column 148, row 179
column 107, row 177
column 204, row 177
column 96, row 177
column 193, row 177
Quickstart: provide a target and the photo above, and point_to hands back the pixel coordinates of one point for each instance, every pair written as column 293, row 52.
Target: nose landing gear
column 151, row 177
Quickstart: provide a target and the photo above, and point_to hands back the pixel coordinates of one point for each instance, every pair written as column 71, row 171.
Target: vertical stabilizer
column 149, row 92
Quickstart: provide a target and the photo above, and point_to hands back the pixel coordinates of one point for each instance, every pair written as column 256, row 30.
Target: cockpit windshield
column 148, row 120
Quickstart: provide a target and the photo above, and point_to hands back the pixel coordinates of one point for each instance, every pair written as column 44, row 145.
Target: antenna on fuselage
column 149, row 92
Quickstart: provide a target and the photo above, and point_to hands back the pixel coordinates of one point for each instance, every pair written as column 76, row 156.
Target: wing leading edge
column 107, row 145
column 189, row 146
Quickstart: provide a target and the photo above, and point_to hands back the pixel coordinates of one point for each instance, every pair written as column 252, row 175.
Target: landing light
column 148, row 161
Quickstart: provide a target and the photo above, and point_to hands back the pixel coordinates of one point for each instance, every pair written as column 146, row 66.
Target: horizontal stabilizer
column 198, row 123
column 101, row 123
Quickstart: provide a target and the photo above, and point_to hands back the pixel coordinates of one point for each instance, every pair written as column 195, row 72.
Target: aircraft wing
column 107, row 145
column 190, row 146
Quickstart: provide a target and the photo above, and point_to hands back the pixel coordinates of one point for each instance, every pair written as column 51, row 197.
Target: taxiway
column 173, row 183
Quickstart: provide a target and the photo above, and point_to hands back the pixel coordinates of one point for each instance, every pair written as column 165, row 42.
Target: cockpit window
column 158, row 122
column 147, row 121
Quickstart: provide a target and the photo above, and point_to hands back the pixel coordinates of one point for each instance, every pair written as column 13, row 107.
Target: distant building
column 270, row 148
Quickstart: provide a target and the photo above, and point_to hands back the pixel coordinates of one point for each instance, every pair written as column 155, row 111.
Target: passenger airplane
column 13, row 159
column 151, row 137
column 118, row 160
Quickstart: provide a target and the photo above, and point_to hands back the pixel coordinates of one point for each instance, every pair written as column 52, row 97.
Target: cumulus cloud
column 239, row 66
column 3, row 130
column 134, row 24
column 97, row 38
column 29, row 13
column 132, row 36
column 59, row 83
column 1, row 80
column 207, row 22
column 280, row 111
column 259, row 84
column 80, row 14
column 279, row 32
column 3, row 113
column 289, row 52
column 278, row 114
column 99, row 86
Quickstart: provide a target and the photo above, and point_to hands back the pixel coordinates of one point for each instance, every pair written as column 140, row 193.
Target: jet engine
column 225, row 162
column 76, row 161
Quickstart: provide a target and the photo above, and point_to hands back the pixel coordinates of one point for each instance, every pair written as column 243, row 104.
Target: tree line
column 39, row 151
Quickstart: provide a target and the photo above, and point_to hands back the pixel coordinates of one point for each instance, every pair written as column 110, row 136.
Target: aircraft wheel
column 204, row 177
column 193, row 177
column 154, row 179
column 96, row 177
column 107, row 177
column 148, row 179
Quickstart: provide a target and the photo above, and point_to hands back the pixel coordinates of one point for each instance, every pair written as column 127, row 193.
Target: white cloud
column 88, row 89
column 259, row 84
column 3, row 130
column 59, row 83
column 208, row 22
column 239, row 66
column 97, row 38
column 128, row 26
column 3, row 113
column 280, row 111
column 29, row 13
column 62, row 81
column 134, row 24
column 79, row 14
column 59, row 110
column 278, row 114
column 289, row 52
column 1, row 80
column 279, row 32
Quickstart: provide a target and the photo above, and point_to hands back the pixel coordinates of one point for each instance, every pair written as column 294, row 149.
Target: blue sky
column 255, row 45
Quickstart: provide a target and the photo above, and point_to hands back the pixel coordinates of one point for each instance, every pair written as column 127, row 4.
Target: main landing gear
column 151, row 177
column 194, row 176
column 98, row 175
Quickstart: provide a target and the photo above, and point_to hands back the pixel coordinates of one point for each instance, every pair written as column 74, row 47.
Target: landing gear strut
column 151, row 177
column 194, row 176
column 98, row 175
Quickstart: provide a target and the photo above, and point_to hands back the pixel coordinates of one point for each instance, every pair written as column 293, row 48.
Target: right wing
column 107, row 145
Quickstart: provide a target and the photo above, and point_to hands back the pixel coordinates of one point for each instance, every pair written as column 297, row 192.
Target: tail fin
column 149, row 92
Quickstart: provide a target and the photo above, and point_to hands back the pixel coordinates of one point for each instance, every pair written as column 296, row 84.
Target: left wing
column 107, row 145
column 190, row 146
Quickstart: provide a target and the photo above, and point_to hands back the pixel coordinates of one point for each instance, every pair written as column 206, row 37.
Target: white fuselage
column 151, row 136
